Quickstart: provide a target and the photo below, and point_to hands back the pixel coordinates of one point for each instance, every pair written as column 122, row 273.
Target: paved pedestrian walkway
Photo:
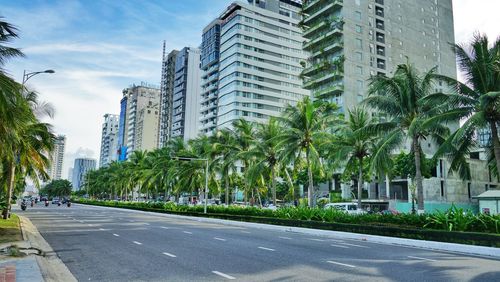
column 20, row 269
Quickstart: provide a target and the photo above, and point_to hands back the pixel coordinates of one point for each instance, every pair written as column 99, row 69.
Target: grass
column 10, row 230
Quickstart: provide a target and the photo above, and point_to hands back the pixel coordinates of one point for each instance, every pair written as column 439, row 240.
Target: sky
column 99, row 47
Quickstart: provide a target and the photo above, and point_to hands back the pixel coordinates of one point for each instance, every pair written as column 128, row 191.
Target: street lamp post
column 206, row 176
column 29, row 75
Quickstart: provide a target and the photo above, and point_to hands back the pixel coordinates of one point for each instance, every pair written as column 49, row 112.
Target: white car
column 350, row 208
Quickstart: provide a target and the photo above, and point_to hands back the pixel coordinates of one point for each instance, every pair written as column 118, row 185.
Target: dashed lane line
column 419, row 258
column 170, row 255
column 137, row 243
column 223, row 275
column 339, row 246
column 339, row 263
column 267, row 249
column 116, row 235
column 354, row 245
column 187, row 232
column 220, row 239
column 285, row 238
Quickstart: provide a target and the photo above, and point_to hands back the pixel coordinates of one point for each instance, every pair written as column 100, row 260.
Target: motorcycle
column 32, row 203
column 46, row 203
column 23, row 206
column 69, row 204
column 58, row 204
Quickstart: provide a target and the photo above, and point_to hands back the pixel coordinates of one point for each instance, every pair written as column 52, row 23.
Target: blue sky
column 99, row 47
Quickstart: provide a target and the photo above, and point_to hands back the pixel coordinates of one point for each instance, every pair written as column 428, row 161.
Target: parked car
column 350, row 208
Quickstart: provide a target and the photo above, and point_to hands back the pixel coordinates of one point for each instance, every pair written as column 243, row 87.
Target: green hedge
column 424, row 227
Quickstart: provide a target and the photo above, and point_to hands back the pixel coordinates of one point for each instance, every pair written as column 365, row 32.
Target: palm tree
column 265, row 151
column 304, row 130
column 402, row 98
column 224, row 160
column 352, row 144
column 243, row 132
column 476, row 100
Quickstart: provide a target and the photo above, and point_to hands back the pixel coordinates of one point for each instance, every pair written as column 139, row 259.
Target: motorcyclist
column 23, row 205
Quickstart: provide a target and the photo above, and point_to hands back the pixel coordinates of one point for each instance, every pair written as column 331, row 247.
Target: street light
column 29, row 75
column 206, row 176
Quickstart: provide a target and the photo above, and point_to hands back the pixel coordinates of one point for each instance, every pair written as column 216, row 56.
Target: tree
column 476, row 101
column 304, row 130
column 59, row 188
column 353, row 144
column 402, row 98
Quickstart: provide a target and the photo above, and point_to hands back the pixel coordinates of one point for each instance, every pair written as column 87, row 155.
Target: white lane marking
column 286, row 238
column 116, row 235
column 354, row 245
column 338, row 263
column 81, row 221
column 187, row 232
column 220, row 239
column 245, row 232
column 170, row 255
column 339, row 246
column 421, row 258
column 138, row 243
column 102, row 229
column 164, row 227
column 89, row 224
column 319, row 240
column 223, row 275
column 147, row 224
column 267, row 249
column 132, row 221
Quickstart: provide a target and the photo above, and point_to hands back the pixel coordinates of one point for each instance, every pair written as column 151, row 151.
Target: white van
column 350, row 208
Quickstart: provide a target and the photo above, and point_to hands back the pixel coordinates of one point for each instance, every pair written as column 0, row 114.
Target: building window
column 359, row 28
column 359, row 56
column 380, row 50
column 468, row 191
column 357, row 15
column 379, row 24
column 381, row 64
column 442, row 188
column 359, row 43
column 359, row 70
column 380, row 37
column 381, row 2
column 379, row 11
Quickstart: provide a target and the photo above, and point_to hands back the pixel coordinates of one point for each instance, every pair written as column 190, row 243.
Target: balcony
column 328, row 23
column 321, row 38
column 334, row 4
column 322, row 78
column 328, row 92
column 329, row 48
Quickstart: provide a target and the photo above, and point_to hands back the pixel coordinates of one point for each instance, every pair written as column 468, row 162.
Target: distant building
column 186, row 94
column 209, row 65
column 109, row 140
column 139, row 116
column 81, row 167
column 166, row 95
column 70, row 174
column 57, row 157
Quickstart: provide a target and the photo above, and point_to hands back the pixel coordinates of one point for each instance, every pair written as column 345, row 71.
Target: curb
column 51, row 266
column 489, row 252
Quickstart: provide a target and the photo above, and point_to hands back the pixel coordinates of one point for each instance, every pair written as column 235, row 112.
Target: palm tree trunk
column 311, row 184
column 273, row 184
column 418, row 174
column 12, row 177
column 226, row 183
column 496, row 144
column 360, row 181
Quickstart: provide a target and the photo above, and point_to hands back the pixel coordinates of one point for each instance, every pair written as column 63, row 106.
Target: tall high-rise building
column 350, row 41
column 166, row 95
column 80, row 168
column 260, row 60
column 209, row 65
column 109, row 140
column 186, row 94
column 57, row 157
column 139, row 119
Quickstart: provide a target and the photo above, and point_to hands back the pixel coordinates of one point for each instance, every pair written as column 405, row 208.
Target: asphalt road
column 103, row 244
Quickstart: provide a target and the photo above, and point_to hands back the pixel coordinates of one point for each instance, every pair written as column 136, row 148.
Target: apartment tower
column 209, row 65
column 139, row 119
column 80, row 169
column 186, row 94
column 166, row 95
column 109, row 140
column 57, row 157
column 260, row 60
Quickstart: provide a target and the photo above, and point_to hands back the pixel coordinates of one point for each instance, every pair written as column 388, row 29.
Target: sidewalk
column 40, row 263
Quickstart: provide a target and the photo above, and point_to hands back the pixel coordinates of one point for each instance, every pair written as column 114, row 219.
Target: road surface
column 103, row 244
